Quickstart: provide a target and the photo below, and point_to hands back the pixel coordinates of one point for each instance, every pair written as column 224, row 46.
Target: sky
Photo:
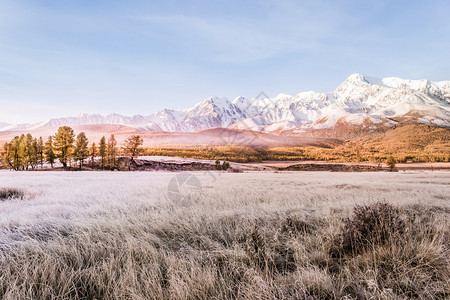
column 59, row 58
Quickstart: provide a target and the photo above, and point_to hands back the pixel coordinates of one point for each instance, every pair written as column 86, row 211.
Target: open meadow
column 218, row 235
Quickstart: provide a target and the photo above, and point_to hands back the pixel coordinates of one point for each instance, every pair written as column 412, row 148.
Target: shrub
column 391, row 163
column 371, row 225
column 10, row 193
column 225, row 165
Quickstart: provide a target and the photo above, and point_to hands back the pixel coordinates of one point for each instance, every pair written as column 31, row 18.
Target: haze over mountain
column 358, row 101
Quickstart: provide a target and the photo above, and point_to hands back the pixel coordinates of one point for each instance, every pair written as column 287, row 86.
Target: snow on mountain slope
column 2, row 125
column 359, row 100
column 394, row 97
column 213, row 112
column 18, row 127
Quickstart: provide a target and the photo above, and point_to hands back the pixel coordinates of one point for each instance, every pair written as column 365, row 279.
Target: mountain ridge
column 359, row 100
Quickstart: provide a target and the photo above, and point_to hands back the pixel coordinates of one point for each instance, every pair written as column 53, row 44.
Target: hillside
column 406, row 142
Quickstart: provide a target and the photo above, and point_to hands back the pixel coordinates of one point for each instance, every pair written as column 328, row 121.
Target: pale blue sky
column 63, row 57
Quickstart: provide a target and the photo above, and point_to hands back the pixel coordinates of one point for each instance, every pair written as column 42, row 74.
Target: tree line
column 26, row 152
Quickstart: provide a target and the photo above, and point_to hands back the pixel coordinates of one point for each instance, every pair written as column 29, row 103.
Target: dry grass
column 242, row 236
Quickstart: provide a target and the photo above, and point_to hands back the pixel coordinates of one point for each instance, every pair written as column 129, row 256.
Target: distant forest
column 26, row 152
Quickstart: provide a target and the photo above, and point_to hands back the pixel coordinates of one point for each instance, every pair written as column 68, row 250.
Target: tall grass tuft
column 11, row 193
column 371, row 225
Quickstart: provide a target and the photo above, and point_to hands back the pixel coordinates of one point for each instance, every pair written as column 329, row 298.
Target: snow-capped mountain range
column 359, row 100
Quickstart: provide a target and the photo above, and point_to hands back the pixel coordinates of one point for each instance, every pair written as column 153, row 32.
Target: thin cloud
column 239, row 41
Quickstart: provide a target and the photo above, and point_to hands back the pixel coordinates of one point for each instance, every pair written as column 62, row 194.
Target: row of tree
column 24, row 151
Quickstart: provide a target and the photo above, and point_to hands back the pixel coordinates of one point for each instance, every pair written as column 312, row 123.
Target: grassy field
column 293, row 235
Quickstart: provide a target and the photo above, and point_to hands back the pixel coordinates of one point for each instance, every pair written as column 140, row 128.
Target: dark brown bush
column 372, row 224
column 10, row 193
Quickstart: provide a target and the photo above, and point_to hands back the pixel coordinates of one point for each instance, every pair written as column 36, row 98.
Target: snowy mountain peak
column 238, row 99
column 282, row 96
column 356, row 77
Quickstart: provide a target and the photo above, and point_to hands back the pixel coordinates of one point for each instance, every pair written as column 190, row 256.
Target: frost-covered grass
column 255, row 235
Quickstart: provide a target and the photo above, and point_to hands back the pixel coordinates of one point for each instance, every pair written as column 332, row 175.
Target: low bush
column 11, row 193
column 371, row 225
